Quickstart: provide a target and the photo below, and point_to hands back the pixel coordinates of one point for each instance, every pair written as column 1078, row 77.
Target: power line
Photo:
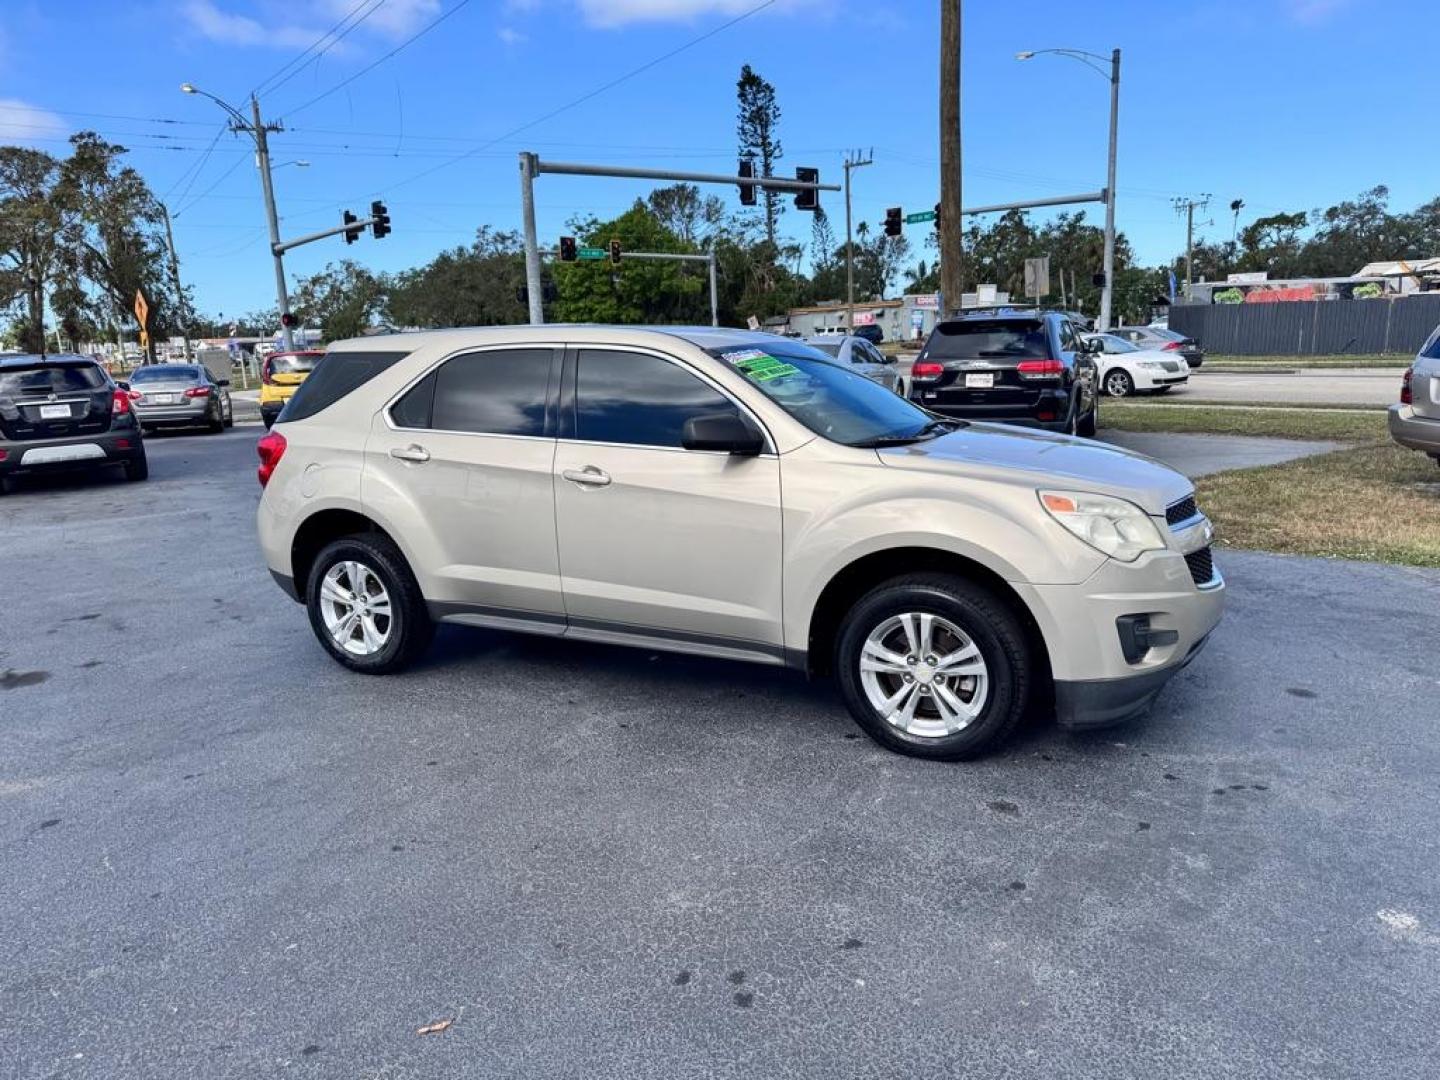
column 372, row 66
column 588, row 96
column 194, row 172
column 298, row 63
column 220, row 180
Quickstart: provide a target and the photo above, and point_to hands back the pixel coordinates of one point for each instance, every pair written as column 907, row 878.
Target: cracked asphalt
column 221, row 855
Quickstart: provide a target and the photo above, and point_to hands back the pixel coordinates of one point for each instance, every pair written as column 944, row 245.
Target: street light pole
column 1096, row 63
column 258, row 131
column 851, row 163
column 175, row 280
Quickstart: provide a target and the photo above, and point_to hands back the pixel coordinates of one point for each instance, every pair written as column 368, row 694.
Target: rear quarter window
column 337, row 375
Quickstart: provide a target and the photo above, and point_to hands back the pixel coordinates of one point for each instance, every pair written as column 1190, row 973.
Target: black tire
column 990, row 623
column 1162, row 389
column 1118, row 383
column 217, row 422
column 1090, row 422
column 410, row 628
column 137, row 469
column 230, row 416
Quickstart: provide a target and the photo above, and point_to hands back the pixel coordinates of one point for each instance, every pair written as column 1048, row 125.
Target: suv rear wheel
column 365, row 605
column 934, row 666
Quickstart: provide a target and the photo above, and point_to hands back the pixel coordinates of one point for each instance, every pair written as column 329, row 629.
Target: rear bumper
column 1417, row 432
column 111, row 447
column 1054, row 405
column 175, row 414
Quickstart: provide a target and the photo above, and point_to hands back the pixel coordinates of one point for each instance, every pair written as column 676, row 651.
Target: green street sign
column 592, row 254
column 923, row 215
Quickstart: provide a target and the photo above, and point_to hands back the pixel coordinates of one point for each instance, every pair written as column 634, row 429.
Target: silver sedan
column 860, row 356
column 180, row 395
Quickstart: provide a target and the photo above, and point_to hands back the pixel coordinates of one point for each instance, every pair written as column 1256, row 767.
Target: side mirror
column 123, row 385
column 224, row 382
column 727, row 432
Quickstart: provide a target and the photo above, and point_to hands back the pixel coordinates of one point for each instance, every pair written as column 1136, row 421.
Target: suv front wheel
column 934, row 666
column 365, row 605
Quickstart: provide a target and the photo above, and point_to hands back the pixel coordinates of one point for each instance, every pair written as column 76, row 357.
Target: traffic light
column 380, row 223
column 808, row 199
column 567, row 249
column 1098, row 279
column 937, row 217
column 614, row 252
column 351, row 233
column 894, row 222
column 747, row 191
column 287, row 320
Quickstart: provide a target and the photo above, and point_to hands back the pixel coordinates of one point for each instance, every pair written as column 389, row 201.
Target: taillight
column 1407, row 396
column 927, row 371
column 198, row 391
column 136, row 395
column 1040, row 369
column 120, row 403
column 271, row 449
column 1171, row 346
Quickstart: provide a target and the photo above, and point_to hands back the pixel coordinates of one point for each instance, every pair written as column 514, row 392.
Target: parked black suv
column 65, row 412
column 1009, row 365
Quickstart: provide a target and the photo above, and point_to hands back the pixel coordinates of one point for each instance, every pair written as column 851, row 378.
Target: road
column 1339, row 386
column 224, row 856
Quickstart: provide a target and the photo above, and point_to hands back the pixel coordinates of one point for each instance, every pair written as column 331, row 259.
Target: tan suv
column 736, row 495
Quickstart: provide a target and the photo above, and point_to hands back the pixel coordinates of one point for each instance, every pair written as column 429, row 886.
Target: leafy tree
column 758, row 120
column 341, row 300
column 474, row 286
column 31, row 219
column 685, row 212
column 635, row 291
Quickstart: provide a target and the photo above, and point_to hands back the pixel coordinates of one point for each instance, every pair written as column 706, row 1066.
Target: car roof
column 718, row 338
column 17, row 360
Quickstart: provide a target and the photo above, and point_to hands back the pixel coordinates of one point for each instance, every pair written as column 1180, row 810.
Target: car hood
column 1001, row 452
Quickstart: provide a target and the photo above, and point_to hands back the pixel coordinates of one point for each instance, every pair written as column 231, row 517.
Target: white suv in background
column 736, row 495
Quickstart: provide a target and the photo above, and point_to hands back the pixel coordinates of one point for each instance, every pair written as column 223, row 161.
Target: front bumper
column 120, row 444
column 1414, row 431
column 1095, row 682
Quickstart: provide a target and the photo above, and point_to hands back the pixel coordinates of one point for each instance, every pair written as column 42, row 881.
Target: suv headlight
column 1114, row 526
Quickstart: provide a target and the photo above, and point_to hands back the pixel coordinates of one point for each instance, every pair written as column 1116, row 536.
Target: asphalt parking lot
column 221, row 855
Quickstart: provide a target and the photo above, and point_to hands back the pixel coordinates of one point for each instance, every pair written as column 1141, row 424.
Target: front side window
column 828, row 398
column 498, row 392
column 1112, row 344
column 1067, row 335
column 636, row 398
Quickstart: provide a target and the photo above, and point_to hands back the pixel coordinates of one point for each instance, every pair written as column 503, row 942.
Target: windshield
column 987, row 339
column 1115, row 344
column 163, row 373
column 292, row 363
column 50, row 380
column 828, row 399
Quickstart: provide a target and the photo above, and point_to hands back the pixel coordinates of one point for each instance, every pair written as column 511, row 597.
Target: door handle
column 417, row 454
column 589, row 476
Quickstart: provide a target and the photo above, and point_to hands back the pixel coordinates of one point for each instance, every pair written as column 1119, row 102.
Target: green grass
column 1371, row 500
column 1264, row 363
column 1272, row 422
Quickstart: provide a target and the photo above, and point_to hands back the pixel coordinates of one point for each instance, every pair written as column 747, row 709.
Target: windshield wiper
column 931, row 430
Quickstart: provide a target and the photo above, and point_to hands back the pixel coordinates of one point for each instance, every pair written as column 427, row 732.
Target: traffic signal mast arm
column 352, row 227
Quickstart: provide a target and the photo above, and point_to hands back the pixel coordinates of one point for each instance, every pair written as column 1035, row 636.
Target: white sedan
column 1126, row 369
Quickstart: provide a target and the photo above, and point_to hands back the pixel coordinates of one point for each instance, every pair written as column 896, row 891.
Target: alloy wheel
column 924, row 675
column 356, row 608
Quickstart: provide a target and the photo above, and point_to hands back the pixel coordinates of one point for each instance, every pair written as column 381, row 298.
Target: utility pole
column 1187, row 206
column 852, row 161
column 532, row 249
column 175, row 280
column 951, row 270
column 1107, row 293
column 262, row 159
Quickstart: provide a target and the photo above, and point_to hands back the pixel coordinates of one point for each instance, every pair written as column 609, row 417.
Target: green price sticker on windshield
column 761, row 367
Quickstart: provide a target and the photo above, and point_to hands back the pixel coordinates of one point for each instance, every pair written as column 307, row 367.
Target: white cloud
column 24, row 123
column 607, row 13
column 393, row 18
column 510, row 37
column 232, row 29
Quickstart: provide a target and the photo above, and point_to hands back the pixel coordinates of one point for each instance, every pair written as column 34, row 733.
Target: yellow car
column 280, row 374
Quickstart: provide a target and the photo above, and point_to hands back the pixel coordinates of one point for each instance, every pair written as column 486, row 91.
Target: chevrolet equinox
column 736, row 495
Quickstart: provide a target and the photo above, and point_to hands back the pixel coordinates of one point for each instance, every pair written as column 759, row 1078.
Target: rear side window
column 70, row 379
column 336, row 375
column 413, row 410
column 499, row 392
column 636, row 398
column 988, row 340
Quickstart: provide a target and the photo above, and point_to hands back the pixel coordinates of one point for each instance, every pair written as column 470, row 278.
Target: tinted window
column 985, row 339
column 830, row 399
column 292, row 363
column 413, row 410
column 1067, row 335
column 624, row 397
column 829, row 348
column 1431, row 349
column 493, row 393
column 165, row 373
column 50, row 380
column 335, row 376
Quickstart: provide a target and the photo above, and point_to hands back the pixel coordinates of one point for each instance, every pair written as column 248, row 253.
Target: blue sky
column 1288, row 104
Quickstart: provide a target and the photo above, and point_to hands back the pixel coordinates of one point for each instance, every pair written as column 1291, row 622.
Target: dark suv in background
column 65, row 412
column 1010, row 365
